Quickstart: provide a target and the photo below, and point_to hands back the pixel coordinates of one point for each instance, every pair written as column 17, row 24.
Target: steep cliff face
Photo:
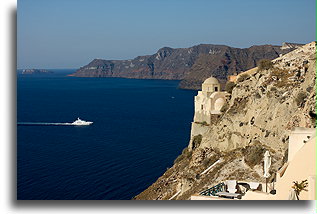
column 192, row 65
column 263, row 108
column 227, row 62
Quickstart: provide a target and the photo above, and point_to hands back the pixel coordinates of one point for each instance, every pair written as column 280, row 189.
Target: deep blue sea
column 140, row 127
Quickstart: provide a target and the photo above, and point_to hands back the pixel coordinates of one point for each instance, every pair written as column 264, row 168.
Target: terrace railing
column 213, row 190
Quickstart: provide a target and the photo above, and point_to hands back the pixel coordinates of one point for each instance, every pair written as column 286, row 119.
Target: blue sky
column 70, row 33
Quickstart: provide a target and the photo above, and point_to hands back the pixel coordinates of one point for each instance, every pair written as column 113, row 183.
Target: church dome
column 211, row 80
column 219, row 103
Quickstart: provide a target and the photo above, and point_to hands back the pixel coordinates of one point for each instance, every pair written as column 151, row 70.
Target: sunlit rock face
column 262, row 111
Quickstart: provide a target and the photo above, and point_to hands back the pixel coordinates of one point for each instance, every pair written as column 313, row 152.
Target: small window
column 216, row 88
column 202, row 107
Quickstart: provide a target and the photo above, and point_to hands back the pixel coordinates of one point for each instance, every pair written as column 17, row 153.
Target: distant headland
column 35, row 71
column 190, row 65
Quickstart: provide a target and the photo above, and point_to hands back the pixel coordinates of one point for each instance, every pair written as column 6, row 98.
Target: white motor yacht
column 80, row 122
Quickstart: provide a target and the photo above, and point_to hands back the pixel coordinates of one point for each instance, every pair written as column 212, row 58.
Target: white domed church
column 209, row 101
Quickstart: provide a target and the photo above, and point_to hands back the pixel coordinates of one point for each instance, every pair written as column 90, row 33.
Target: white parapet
column 175, row 195
column 214, row 164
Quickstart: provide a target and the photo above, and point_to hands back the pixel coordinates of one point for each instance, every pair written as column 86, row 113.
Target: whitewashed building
column 209, row 101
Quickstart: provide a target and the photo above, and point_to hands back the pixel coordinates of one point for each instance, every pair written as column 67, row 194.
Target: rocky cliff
column 265, row 105
column 191, row 65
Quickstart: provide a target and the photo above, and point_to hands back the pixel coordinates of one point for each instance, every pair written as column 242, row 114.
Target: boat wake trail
column 43, row 124
column 77, row 122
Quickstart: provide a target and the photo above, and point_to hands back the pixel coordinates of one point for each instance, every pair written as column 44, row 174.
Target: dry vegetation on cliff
column 263, row 108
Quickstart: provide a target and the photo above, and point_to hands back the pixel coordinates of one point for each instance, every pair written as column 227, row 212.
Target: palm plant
column 298, row 187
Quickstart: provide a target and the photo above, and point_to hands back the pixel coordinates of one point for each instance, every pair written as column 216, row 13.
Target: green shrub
column 229, row 87
column 196, row 141
column 253, row 155
column 300, row 99
column 186, row 154
column 204, row 123
column 265, row 64
column 243, row 77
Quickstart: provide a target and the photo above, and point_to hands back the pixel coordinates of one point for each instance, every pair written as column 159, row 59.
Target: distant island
column 36, row 71
column 190, row 65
